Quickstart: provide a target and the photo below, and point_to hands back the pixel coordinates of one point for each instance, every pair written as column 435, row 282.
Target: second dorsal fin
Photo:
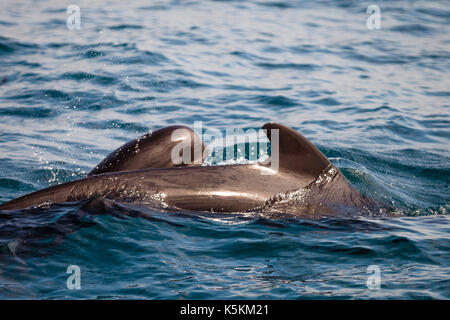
column 295, row 153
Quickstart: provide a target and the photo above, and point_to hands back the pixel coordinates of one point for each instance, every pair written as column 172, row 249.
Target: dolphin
column 142, row 171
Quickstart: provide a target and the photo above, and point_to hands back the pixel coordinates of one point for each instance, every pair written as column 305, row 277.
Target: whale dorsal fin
column 296, row 154
column 150, row 151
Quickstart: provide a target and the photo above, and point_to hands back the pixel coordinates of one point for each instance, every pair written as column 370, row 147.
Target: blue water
column 376, row 102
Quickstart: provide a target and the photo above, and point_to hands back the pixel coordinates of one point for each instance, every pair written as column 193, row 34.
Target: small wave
column 276, row 100
column 81, row 76
column 125, row 26
column 144, row 57
column 327, row 102
column 293, row 66
column 8, row 46
column 94, row 54
column 414, row 29
column 27, row 112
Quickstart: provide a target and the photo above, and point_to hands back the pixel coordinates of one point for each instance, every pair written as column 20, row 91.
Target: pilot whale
column 306, row 182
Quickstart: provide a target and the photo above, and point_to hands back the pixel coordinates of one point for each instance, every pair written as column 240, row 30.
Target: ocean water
column 375, row 102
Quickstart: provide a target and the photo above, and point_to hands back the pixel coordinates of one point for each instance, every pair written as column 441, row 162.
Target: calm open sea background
column 376, row 102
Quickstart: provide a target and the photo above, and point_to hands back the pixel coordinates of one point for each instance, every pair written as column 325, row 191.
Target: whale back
column 152, row 150
column 305, row 183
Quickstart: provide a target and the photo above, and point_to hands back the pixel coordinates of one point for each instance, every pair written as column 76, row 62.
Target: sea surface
column 376, row 102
